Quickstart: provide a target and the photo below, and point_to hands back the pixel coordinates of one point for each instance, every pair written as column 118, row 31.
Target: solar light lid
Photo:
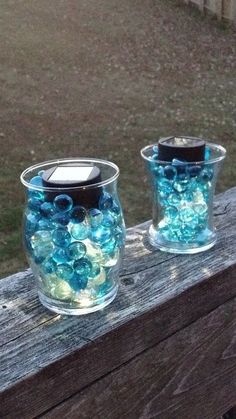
column 190, row 149
column 71, row 175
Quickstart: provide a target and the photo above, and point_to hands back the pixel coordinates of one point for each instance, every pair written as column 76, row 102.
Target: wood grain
column 160, row 294
column 190, row 375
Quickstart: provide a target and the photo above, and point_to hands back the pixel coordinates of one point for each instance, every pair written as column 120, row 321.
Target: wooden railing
column 223, row 9
column 165, row 348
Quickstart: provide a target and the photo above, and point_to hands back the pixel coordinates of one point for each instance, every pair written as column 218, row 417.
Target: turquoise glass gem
column 157, row 170
column 78, row 282
column 206, row 175
column 95, row 270
column 48, row 266
column 31, row 221
column 61, row 237
column 187, row 214
column 44, row 224
column 65, row 271
column 200, row 208
column 40, row 173
column 194, row 171
column 83, row 267
column 207, row 153
column 60, row 255
column 174, row 199
column 155, row 149
column 80, row 231
column 171, row 213
column 109, row 246
column 78, row 214
column 164, row 187
column 155, row 156
column 41, row 243
column 61, row 218
column 63, row 203
column 170, row 172
column 34, row 204
column 105, row 201
column 36, row 181
column 95, row 217
column 47, row 209
column 180, row 185
column 100, row 234
column 76, row 250
column 109, row 220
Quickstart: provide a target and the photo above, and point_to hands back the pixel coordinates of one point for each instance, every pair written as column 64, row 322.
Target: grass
column 102, row 79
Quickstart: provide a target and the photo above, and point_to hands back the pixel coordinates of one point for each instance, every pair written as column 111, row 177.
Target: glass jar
column 183, row 195
column 74, row 238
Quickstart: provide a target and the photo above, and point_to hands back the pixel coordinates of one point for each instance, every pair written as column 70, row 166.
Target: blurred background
column 103, row 78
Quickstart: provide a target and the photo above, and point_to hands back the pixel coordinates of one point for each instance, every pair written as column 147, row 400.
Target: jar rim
column 218, row 147
column 44, row 165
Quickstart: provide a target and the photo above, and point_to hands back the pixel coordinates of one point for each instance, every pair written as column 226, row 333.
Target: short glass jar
column 74, row 249
column 183, row 195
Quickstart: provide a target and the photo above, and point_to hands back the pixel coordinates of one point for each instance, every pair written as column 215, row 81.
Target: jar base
column 76, row 309
column 156, row 241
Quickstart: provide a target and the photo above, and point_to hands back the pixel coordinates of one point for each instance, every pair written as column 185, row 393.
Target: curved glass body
column 183, row 200
column 74, row 250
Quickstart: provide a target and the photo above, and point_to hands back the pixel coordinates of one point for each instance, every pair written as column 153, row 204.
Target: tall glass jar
column 74, row 238
column 182, row 194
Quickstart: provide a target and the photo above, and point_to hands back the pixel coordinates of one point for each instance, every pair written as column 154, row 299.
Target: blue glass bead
column 78, row 214
column 60, row 255
column 110, row 246
column 180, row 165
column 170, row 172
column 155, row 149
column 200, row 208
column 40, row 173
column 187, row 214
column 34, row 204
column 31, row 220
column 65, row 271
column 119, row 234
column 63, row 203
column 155, row 156
column 206, row 175
column 76, row 250
column 47, row 209
column 108, row 219
column 100, row 234
column 194, row 171
column 180, row 185
column 48, row 266
column 207, row 153
column 78, row 282
column 83, row 267
column 95, row 217
column 44, row 224
column 95, row 271
column 187, row 197
column 80, row 231
column 174, row 199
column 41, row 243
column 61, row 218
column 36, row 181
column 164, row 187
column 105, row 201
column 61, row 237
column 187, row 233
column 157, row 170
column 171, row 213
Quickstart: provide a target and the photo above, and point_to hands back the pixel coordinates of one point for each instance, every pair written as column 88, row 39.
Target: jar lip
column 210, row 161
column 43, row 165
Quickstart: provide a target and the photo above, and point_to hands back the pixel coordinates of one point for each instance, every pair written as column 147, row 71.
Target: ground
column 104, row 78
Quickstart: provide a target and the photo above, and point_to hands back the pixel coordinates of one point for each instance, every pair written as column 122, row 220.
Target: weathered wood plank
column 190, row 375
column 160, row 294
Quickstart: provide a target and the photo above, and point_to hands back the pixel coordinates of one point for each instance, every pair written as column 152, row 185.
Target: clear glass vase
column 182, row 194
column 74, row 238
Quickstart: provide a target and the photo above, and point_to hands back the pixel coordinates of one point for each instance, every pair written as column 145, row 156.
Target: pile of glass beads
column 183, row 191
column 73, row 250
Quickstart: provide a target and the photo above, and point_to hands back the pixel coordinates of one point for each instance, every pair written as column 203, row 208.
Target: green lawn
column 102, row 79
